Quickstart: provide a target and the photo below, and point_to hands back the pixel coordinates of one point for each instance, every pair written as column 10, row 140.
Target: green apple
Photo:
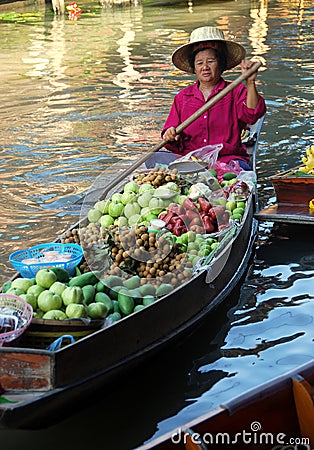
column 47, row 301
column 22, row 283
column 241, row 205
column 238, row 210
column 157, row 205
column 45, row 278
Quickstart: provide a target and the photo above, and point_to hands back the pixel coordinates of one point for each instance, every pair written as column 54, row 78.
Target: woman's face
column 206, row 66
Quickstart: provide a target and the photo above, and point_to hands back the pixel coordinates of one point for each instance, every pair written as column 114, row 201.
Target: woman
column 208, row 55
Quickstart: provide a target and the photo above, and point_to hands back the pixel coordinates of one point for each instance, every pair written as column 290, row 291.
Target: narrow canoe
column 39, row 383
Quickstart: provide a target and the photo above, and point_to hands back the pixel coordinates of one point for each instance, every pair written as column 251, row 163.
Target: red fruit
column 219, row 209
column 196, row 221
column 189, row 204
column 225, row 217
column 191, row 215
column 204, row 204
column 168, row 217
column 208, row 224
column 176, row 219
column 178, row 229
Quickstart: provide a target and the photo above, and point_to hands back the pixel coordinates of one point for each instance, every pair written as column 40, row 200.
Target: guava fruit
column 22, row 283
column 72, row 294
column 115, row 209
column 75, row 311
column 97, row 310
column 131, row 186
column 35, row 290
column 55, row 314
column 57, row 288
column 47, row 301
column 45, row 278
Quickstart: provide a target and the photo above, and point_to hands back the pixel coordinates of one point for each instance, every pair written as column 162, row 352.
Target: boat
column 276, row 415
column 294, row 189
column 38, row 383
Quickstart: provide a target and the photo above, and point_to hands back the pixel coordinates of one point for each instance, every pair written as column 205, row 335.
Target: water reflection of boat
column 276, row 415
column 39, row 383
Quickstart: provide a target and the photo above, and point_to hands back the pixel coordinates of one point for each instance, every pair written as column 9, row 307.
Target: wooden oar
column 180, row 128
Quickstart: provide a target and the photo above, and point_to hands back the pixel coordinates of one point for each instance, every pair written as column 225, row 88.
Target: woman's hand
column 252, row 94
column 170, row 134
column 245, row 66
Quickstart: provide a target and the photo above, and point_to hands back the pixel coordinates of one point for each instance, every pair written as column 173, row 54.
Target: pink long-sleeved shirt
column 221, row 124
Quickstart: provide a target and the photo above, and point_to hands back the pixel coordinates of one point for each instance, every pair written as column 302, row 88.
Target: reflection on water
column 80, row 98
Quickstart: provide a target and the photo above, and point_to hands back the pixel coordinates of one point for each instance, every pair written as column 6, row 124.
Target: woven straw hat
column 208, row 37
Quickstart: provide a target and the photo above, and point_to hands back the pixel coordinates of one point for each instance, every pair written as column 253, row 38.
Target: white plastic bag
column 209, row 154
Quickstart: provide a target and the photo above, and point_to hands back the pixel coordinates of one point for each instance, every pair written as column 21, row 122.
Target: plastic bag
column 222, row 168
column 249, row 177
column 209, row 154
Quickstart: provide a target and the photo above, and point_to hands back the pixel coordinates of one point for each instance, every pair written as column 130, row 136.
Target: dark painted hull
column 43, row 382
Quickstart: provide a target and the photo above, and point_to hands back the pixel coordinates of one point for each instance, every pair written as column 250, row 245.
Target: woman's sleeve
column 249, row 115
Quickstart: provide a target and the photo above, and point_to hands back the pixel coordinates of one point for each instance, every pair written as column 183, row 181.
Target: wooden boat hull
column 42, row 383
column 39, row 379
column 293, row 195
column 271, row 416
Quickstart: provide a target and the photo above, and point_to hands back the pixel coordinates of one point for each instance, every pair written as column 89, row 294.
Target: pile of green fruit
column 54, row 295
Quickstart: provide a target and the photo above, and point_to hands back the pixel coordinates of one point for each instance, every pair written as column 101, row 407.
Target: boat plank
column 295, row 214
column 21, row 370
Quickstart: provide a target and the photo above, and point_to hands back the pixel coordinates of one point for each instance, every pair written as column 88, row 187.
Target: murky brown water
column 77, row 98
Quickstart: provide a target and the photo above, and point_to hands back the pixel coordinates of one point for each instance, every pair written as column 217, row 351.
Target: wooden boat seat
column 303, row 393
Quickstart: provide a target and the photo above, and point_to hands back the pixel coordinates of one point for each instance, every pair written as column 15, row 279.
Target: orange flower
column 311, row 204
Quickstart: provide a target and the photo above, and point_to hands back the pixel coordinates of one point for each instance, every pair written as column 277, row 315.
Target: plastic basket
column 11, row 305
column 38, row 252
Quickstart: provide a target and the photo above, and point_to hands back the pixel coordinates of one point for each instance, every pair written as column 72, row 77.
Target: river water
column 81, row 98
